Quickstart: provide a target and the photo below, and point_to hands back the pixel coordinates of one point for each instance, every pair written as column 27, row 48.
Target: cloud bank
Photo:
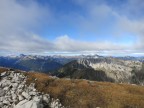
column 21, row 21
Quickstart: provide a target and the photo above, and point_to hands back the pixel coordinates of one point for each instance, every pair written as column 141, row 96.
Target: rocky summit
column 14, row 93
column 19, row 89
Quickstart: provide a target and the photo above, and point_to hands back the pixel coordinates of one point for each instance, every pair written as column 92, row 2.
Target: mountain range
column 37, row 62
column 92, row 67
column 104, row 69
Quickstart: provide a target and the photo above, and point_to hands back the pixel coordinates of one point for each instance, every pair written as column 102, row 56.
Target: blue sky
column 109, row 27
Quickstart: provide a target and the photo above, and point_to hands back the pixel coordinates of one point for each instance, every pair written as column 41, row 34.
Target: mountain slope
column 31, row 63
column 103, row 69
column 79, row 71
column 40, row 65
column 87, row 94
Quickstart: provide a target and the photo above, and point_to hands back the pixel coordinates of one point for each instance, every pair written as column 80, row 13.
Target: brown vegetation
column 88, row 94
column 3, row 69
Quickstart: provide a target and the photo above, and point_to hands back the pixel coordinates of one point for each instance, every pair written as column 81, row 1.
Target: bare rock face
column 118, row 70
column 14, row 93
column 104, row 69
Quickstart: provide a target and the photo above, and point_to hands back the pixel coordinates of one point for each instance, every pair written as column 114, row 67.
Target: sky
column 69, row 27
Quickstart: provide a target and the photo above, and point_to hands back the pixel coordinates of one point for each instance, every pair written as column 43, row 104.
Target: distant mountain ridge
column 38, row 63
column 30, row 63
column 104, row 69
column 92, row 67
column 132, row 58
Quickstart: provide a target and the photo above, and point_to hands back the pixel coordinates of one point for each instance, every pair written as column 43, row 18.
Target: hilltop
column 86, row 94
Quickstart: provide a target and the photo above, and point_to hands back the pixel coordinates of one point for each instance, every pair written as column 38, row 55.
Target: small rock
column 1, row 105
column 4, row 74
column 28, row 104
column 14, row 96
column 2, row 93
column 21, row 104
column 26, row 95
column 15, row 85
column 2, row 99
column 46, row 98
column 34, row 90
column 6, row 102
column 6, row 88
column 32, row 93
column 20, row 98
column 20, row 86
column 37, row 99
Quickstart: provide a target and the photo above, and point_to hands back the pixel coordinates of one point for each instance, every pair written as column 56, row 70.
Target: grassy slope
column 86, row 94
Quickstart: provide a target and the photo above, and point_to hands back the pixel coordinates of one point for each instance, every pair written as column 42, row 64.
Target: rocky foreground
column 20, row 89
column 14, row 93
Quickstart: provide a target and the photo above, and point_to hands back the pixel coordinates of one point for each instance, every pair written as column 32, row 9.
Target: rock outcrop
column 104, row 69
column 14, row 93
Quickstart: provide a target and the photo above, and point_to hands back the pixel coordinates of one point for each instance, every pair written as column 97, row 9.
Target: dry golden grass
column 87, row 94
column 3, row 69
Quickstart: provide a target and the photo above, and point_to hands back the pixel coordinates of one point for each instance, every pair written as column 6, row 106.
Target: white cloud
column 19, row 24
column 136, row 28
column 65, row 43
column 127, row 18
column 17, row 17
